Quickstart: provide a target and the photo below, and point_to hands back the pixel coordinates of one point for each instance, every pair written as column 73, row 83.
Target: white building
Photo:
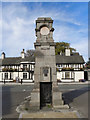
column 69, row 67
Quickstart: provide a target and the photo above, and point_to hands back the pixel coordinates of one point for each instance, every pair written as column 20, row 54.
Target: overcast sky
column 18, row 28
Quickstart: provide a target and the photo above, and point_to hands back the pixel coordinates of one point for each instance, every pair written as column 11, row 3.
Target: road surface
column 75, row 95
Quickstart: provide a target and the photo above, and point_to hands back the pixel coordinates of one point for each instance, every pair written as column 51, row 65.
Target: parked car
column 82, row 80
column 58, row 80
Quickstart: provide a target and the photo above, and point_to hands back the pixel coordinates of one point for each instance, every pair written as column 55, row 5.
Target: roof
column 74, row 59
column 15, row 60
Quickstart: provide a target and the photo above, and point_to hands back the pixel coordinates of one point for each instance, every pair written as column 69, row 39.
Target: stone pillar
column 45, row 64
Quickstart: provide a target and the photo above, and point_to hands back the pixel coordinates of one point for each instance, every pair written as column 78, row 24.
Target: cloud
column 18, row 33
column 19, row 26
column 82, row 47
column 0, row 26
column 78, row 39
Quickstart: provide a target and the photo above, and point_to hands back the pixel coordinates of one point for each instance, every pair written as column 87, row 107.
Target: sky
column 45, row 0
column 18, row 25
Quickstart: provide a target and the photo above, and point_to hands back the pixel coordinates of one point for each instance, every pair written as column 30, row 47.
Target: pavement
column 87, row 82
column 50, row 114
column 9, row 83
column 62, row 83
column 76, row 95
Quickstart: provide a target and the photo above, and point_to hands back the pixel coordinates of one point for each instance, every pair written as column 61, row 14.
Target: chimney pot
column 3, row 55
column 23, row 54
column 67, row 52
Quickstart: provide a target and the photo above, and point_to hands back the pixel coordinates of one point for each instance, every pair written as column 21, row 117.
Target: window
column 24, row 75
column 31, row 76
column 68, row 65
column 58, row 65
column 25, row 67
column 67, row 74
column 72, row 65
column 29, row 67
column 6, row 76
column 63, row 65
column 62, row 74
column 11, row 76
column 7, row 66
column 2, row 76
column 72, row 74
column 32, row 67
column 76, row 66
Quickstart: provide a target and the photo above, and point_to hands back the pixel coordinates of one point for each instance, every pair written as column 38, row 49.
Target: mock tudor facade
column 70, row 67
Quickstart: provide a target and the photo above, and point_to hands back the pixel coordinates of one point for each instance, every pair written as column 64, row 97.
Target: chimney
column 23, row 54
column 67, row 52
column 61, row 53
column 3, row 55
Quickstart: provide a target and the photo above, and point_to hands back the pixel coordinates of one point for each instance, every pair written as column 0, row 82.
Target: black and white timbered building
column 70, row 67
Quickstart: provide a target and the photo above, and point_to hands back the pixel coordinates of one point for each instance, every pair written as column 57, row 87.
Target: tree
column 87, row 65
column 60, row 47
column 30, row 52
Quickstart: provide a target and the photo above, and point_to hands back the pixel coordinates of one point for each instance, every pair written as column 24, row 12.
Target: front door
column 45, row 93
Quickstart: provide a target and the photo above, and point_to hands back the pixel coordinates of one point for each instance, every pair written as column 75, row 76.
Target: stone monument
column 45, row 90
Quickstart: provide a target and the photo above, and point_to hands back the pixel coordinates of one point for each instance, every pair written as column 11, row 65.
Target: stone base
column 61, row 107
column 57, row 101
column 50, row 114
column 35, row 100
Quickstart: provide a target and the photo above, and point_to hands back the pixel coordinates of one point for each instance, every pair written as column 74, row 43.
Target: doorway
column 45, row 94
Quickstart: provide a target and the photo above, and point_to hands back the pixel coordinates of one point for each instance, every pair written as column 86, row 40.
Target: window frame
column 6, row 76
column 24, row 76
column 66, row 76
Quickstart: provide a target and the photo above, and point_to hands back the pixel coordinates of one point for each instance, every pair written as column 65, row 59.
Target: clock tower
column 45, row 78
column 44, row 30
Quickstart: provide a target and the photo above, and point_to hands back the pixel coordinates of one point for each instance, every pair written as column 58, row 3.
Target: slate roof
column 77, row 59
column 15, row 60
column 10, row 61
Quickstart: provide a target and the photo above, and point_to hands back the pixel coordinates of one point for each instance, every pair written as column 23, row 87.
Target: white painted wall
column 89, row 74
column 67, row 80
column 21, row 75
column 3, row 56
column 59, row 75
column 67, row 52
column 15, row 74
column 79, row 75
column 0, row 76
